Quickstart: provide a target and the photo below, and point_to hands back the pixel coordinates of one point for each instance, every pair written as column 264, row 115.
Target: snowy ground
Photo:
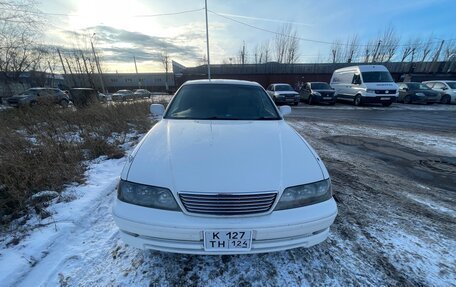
column 392, row 228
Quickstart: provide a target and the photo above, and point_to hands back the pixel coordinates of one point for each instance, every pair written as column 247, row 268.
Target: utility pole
column 71, row 73
column 87, row 70
column 100, row 75
column 52, row 74
column 63, row 65
column 136, row 68
column 374, row 59
column 207, row 45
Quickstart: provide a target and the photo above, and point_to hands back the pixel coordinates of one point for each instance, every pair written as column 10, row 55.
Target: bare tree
column 242, row 56
column 449, row 53
column 165, row 61
column 20, row 29
column 426, row 48
column 336, row 51
column 286, row 45
column 351, row 49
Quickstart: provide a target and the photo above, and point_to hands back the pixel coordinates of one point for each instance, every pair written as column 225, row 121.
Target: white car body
column 349, row 84
column 448, row 93
column 223, row 157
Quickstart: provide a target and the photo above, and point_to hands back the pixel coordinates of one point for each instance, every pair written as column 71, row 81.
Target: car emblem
column 387, row 92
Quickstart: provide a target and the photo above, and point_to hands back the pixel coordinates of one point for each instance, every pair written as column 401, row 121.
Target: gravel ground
column 396, row 198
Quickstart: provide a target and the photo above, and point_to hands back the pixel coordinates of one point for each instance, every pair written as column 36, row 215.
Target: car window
column 452, row 85
column 439, row 86
column 377, row 77
column 356, row 79
column 418, row 86
column 222, row 102
column 283, row 88
column 430, row 85
column 320, row 86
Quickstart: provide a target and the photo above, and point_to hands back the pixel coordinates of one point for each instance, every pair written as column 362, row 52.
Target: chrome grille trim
column 227, row 204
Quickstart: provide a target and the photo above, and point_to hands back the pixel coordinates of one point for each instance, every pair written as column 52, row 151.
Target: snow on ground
column 390, row 231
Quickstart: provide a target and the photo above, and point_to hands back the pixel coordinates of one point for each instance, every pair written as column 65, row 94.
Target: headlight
column 370, row 91
column 316, row 93
column 146, row 195
column 306, row 194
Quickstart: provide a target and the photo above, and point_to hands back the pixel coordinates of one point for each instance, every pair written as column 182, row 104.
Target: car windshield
column 283, row 88
column 452, row 85
column 320, row 86
column 222, row 102
column 377, row 77
column 417, row 86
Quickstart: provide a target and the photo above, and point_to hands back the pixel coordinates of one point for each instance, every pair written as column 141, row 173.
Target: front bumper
column 172, row 231
column 289, row 100
column 367, row 99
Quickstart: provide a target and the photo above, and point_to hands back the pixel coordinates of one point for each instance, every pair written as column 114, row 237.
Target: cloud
column 119, row 45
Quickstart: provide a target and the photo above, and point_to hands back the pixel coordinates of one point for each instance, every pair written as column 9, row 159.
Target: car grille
column 323, row 94
column 227, row 204
column 384, row 91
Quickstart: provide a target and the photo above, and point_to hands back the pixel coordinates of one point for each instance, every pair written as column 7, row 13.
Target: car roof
column 222, row 81
column 317, row 82
column 276, row 84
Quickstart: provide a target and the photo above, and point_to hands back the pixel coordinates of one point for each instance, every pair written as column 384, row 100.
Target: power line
column 306, row 39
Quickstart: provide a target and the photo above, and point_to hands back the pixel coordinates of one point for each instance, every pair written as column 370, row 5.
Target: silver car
column 35, row 96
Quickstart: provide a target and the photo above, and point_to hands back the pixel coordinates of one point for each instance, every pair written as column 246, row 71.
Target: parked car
column 446, row 88
column 35, row 96
column 83, row 96
column 122, row 95
column 142, row 93
column 365, row 84
column 104, row 97
column 283, row 94
column 413, row 92
column 317, row 92
column 223, row 173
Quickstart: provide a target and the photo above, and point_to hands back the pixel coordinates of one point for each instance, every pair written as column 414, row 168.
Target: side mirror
column 444, row 88
column 405, row 89
column 157, row 111
column 285, row 110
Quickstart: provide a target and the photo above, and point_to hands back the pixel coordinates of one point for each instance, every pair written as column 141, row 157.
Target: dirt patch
column 429, row 169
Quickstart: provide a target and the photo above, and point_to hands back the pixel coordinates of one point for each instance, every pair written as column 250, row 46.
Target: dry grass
column 46, row 147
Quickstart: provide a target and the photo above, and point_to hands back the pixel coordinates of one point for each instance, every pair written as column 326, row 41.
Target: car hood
column 223, row 156
column 21, row 97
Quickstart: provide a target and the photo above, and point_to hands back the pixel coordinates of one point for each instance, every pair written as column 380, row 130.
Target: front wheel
column 63, row 103
column 357, row 101
column 387, row 104
column 407, row 100
column 446, row 99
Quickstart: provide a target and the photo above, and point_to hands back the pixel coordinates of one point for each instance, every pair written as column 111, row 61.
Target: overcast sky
column 125, row 28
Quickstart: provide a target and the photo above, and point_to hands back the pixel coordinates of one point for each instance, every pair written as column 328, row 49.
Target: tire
column 63, row 103
column 295, row 103
column 387, row 104
column 357, row 101
column 332, row 103
column 446, row 100
column 309, row 101
column 407, row 100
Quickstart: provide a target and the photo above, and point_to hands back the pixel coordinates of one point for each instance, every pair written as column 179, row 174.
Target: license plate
column 327, row 98
column 384, row 99
column 228, row 240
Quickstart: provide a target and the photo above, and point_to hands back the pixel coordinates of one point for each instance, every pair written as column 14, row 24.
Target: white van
column 365, row 84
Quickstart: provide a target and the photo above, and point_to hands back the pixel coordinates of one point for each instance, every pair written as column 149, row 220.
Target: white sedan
column 223, row 173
